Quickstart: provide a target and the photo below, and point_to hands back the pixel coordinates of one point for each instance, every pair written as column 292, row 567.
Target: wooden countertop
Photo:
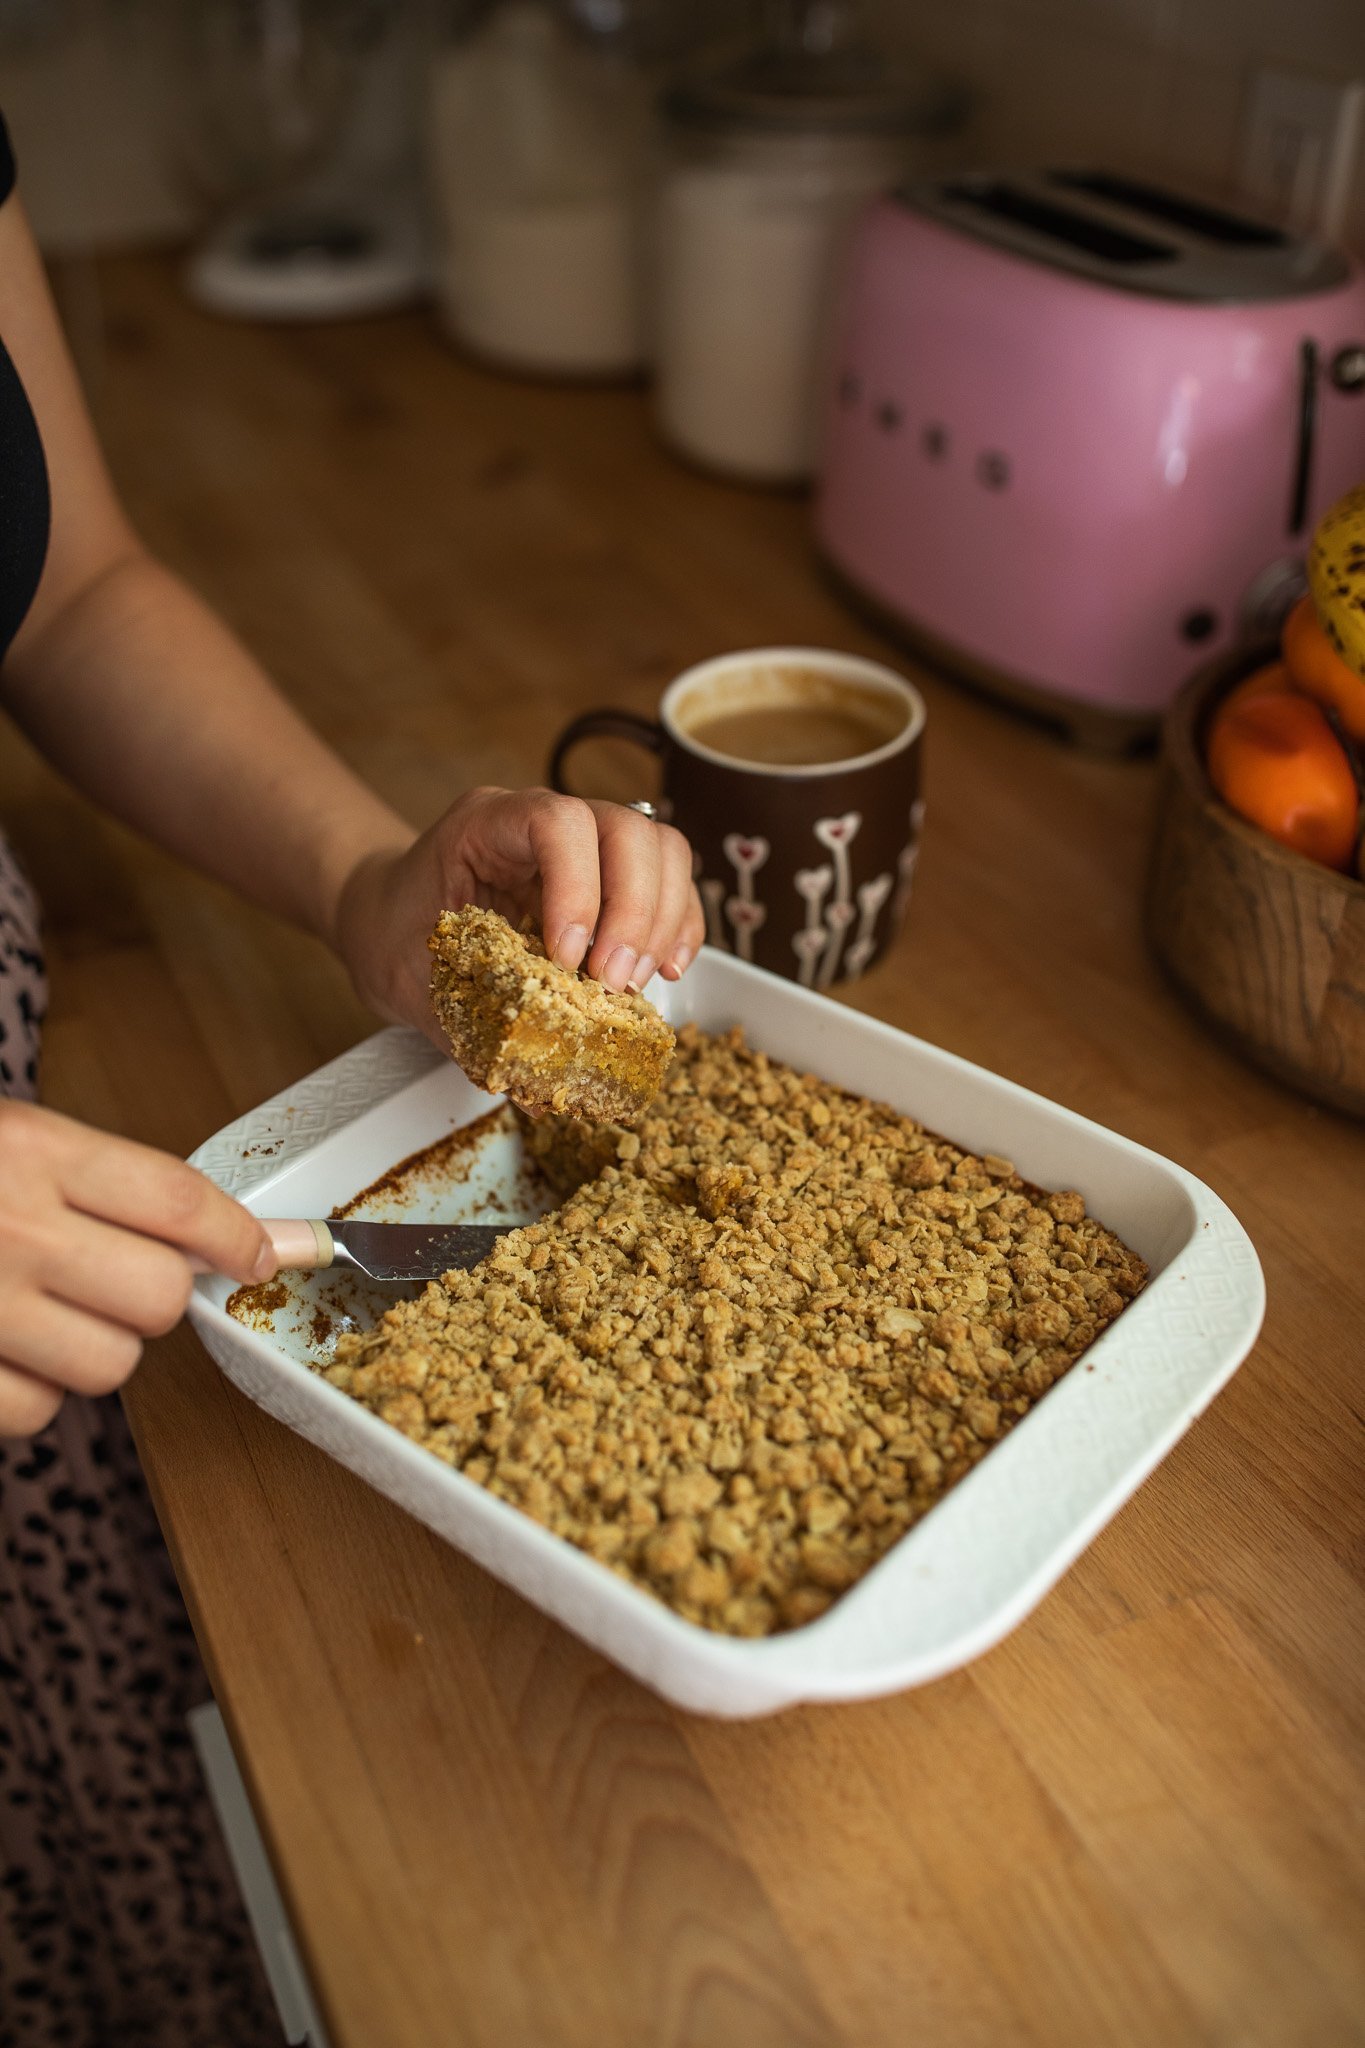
column 1137, row 1820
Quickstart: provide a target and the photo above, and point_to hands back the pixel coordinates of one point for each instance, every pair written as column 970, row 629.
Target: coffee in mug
column 795, row 774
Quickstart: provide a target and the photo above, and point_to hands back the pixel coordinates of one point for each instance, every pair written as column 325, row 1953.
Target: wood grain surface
column 1140, row 1819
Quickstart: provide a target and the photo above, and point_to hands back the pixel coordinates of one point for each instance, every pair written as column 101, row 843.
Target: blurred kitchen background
column 591, row 191
column 95, row 91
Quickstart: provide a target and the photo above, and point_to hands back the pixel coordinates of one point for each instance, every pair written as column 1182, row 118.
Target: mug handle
column 605, row 724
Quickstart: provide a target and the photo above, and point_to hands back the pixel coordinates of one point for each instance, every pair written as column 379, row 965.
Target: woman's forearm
column 145, row 700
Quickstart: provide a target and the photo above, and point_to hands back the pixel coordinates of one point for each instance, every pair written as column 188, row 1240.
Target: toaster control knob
column 1348, row 367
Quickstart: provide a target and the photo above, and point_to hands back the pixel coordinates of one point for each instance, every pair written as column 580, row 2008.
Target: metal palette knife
column 385, row 1251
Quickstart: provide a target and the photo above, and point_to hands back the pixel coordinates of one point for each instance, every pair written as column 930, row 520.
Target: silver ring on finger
column 646, row 810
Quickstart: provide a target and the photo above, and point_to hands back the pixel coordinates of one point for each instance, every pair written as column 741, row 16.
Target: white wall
column 88, row 95
column 95, row 108
column 1153, row 85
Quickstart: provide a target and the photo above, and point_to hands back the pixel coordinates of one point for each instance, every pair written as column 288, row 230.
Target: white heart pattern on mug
column 712, row 895
column 872, row 895
column 838, row 832
column 857, row 957
column 744, row 914
column 745, row 854
column 813, row 883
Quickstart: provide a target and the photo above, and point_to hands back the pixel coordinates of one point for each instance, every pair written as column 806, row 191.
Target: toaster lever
column 1308, row 419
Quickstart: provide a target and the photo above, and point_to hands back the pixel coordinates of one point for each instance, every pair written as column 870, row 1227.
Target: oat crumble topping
column 763, row 1335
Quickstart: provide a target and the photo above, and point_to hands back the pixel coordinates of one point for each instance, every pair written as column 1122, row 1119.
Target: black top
column 25, row 509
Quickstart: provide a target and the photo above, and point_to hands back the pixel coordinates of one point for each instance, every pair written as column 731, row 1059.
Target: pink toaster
column 1081, row 427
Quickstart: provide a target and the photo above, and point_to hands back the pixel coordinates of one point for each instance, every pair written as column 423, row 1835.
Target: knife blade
column 385, row 1251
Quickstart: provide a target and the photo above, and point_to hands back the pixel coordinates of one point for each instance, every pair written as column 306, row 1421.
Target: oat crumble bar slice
column 549, row 1039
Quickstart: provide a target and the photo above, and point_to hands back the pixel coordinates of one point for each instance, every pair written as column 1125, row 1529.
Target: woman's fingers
column 631, row 859
column 132, row 1280
column 89, row 1265
column 159, row 1196
column 611, row 888
column 691, row 937
column 679, row 925
column 616, row 890
column 26, row 1405
column 73, row 1351
column 564, row 846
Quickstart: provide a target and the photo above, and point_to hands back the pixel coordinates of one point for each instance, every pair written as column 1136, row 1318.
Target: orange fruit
column 1274, row 676
column 1316, row 667
column 1274, row 759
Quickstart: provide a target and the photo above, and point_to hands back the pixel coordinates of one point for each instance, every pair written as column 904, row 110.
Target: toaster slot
column 1211, row 223
column 1060, row 223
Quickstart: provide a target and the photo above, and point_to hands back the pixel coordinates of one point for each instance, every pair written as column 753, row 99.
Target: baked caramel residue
column 258, row 1303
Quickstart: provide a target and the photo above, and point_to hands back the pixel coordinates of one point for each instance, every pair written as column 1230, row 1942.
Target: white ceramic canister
column 749, row 243
column 536, row 144
column 768, row 163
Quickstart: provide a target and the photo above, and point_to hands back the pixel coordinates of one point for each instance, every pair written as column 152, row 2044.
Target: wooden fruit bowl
column 1267, row 946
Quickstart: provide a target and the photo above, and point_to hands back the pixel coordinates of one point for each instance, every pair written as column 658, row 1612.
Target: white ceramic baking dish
column 978, row 1563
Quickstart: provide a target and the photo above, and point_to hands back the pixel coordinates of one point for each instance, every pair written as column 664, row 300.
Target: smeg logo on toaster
column 992, row 468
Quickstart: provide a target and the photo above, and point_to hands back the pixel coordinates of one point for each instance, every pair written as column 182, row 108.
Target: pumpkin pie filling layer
column 550, row 1039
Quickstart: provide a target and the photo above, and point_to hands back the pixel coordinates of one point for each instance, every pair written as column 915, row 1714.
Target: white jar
column 768, row 163
column 536, row 143
column 749, row 241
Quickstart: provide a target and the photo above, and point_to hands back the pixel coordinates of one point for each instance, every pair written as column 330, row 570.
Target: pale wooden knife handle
column 299, row 1245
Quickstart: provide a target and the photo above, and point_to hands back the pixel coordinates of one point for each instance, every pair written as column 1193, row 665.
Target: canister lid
column 852, row 89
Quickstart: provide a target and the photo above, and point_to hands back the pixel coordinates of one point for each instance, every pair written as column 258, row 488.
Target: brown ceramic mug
column 804, row 864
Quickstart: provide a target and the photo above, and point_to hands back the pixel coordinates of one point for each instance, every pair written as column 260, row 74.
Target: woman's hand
column 96, row 1241
column 607, row 887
